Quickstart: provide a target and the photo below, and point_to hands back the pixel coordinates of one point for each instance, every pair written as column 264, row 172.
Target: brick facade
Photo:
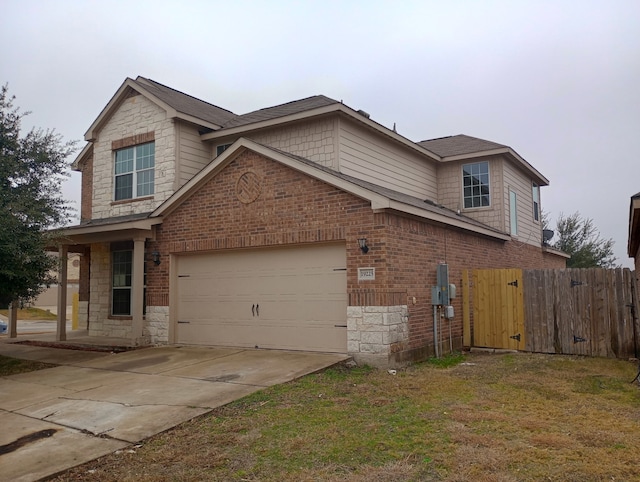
column 293, row 208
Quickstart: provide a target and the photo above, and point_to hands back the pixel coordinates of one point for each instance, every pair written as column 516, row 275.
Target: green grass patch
column 13, row 366
column 32, row 314
column 447, row 361
column 497, row 417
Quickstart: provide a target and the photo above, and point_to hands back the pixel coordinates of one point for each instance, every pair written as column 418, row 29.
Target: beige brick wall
column 136, row 115
column 100, row 289
column 314, row 140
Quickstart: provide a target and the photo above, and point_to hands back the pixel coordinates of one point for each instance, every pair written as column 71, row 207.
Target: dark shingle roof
column 459, row 145
column 281, row 110
column 186, row 104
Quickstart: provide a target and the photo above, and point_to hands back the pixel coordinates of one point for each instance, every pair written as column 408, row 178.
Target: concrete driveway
column 97, row 403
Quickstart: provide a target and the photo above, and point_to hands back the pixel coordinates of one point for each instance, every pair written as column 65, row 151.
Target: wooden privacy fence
column 572, row 311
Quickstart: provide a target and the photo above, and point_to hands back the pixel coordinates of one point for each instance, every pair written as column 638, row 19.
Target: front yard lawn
column 508, row 417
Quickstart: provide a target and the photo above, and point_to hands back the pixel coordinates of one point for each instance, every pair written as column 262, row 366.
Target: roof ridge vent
column 364, row 113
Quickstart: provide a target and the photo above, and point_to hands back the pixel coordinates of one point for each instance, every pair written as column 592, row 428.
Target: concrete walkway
column 96, row 403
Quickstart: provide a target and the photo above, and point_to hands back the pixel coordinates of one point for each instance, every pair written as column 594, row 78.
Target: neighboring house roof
column 380, row 198
column 460, row 147
column 634, row 226
column 281, row 110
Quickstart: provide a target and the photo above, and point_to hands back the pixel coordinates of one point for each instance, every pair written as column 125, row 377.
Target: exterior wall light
column 155, row 256
column 362, row 242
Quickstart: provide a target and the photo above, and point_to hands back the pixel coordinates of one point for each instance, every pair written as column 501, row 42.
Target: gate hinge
column 516, row 337
column 513, row 283
column 576, row 283
column 578, row 339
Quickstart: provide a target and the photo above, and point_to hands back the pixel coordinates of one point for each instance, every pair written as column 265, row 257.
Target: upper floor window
column 134, row 171
column 221, row 148
column 513, row 213
column 536, row 201
column 475, row 182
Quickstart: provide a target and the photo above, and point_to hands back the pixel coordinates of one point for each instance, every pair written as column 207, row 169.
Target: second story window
column 475, row 183
column 221, row 148
column 536, row 201
column 134, row 171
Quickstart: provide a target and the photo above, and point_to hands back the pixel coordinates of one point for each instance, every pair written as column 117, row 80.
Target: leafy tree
column 580, row 238
column 32, row 169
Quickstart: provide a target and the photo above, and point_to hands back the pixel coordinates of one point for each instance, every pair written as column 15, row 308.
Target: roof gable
column 380, row 198
column 175, row 103
column 187, row 104
column 458, row 145
column 463, row 147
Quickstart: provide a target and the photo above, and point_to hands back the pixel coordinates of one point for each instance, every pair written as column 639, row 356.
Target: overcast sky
column 558, row 81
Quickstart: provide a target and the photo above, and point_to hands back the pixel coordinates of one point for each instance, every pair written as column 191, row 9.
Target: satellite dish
column 547, row 234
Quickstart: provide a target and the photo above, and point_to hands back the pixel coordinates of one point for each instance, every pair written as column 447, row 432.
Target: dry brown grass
column 510, row 417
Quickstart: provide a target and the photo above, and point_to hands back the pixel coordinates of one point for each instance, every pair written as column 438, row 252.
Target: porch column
column 137, row 291
column 13, row 319
column 61, row 330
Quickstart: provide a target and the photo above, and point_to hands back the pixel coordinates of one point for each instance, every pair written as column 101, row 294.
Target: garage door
column 287, row 298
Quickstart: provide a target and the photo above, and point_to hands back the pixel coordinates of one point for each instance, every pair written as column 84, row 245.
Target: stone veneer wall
column 136, row 116
column 373, row 331
column 156, row 324
column 83, row 314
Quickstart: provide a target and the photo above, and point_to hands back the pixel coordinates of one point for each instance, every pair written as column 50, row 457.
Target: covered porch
column 112, row 280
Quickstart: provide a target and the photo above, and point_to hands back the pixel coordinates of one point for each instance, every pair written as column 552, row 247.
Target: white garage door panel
column 289, row 298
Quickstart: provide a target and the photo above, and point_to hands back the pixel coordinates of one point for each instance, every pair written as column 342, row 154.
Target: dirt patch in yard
column 508, row 417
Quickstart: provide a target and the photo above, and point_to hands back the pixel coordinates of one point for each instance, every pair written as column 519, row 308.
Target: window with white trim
column 121, row 269
column 221, row 148
column 134, row 171
column 536, row 201
column 122, row 278
column 475, row 185
column 513, row 213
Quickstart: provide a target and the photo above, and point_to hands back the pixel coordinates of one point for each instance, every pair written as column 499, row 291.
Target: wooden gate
column 498, row 309
column 571, row 311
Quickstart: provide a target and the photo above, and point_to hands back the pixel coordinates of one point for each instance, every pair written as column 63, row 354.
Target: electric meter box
column 452, row 291
column 448, row 312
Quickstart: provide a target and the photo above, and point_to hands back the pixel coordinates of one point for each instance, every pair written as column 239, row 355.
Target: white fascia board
column 91, row 135
column 106, row 111
column 446, row 220
column 75, row 165
column 333, row 108
column 139, row 224
column 543, row 181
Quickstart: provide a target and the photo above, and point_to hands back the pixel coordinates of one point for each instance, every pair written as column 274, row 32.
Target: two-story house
column 304, row 226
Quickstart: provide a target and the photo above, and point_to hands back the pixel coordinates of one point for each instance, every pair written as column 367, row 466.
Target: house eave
column 513, row 155
column 448, row 221
column 86, row 234
column 75, row 165
column 118, row 97
column 634, row 227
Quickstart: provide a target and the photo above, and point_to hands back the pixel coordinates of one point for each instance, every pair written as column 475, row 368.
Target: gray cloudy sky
column 558, row 81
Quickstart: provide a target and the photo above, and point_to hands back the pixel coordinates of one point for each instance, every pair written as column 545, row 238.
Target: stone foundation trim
column 156, row 325
column 375, row 333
